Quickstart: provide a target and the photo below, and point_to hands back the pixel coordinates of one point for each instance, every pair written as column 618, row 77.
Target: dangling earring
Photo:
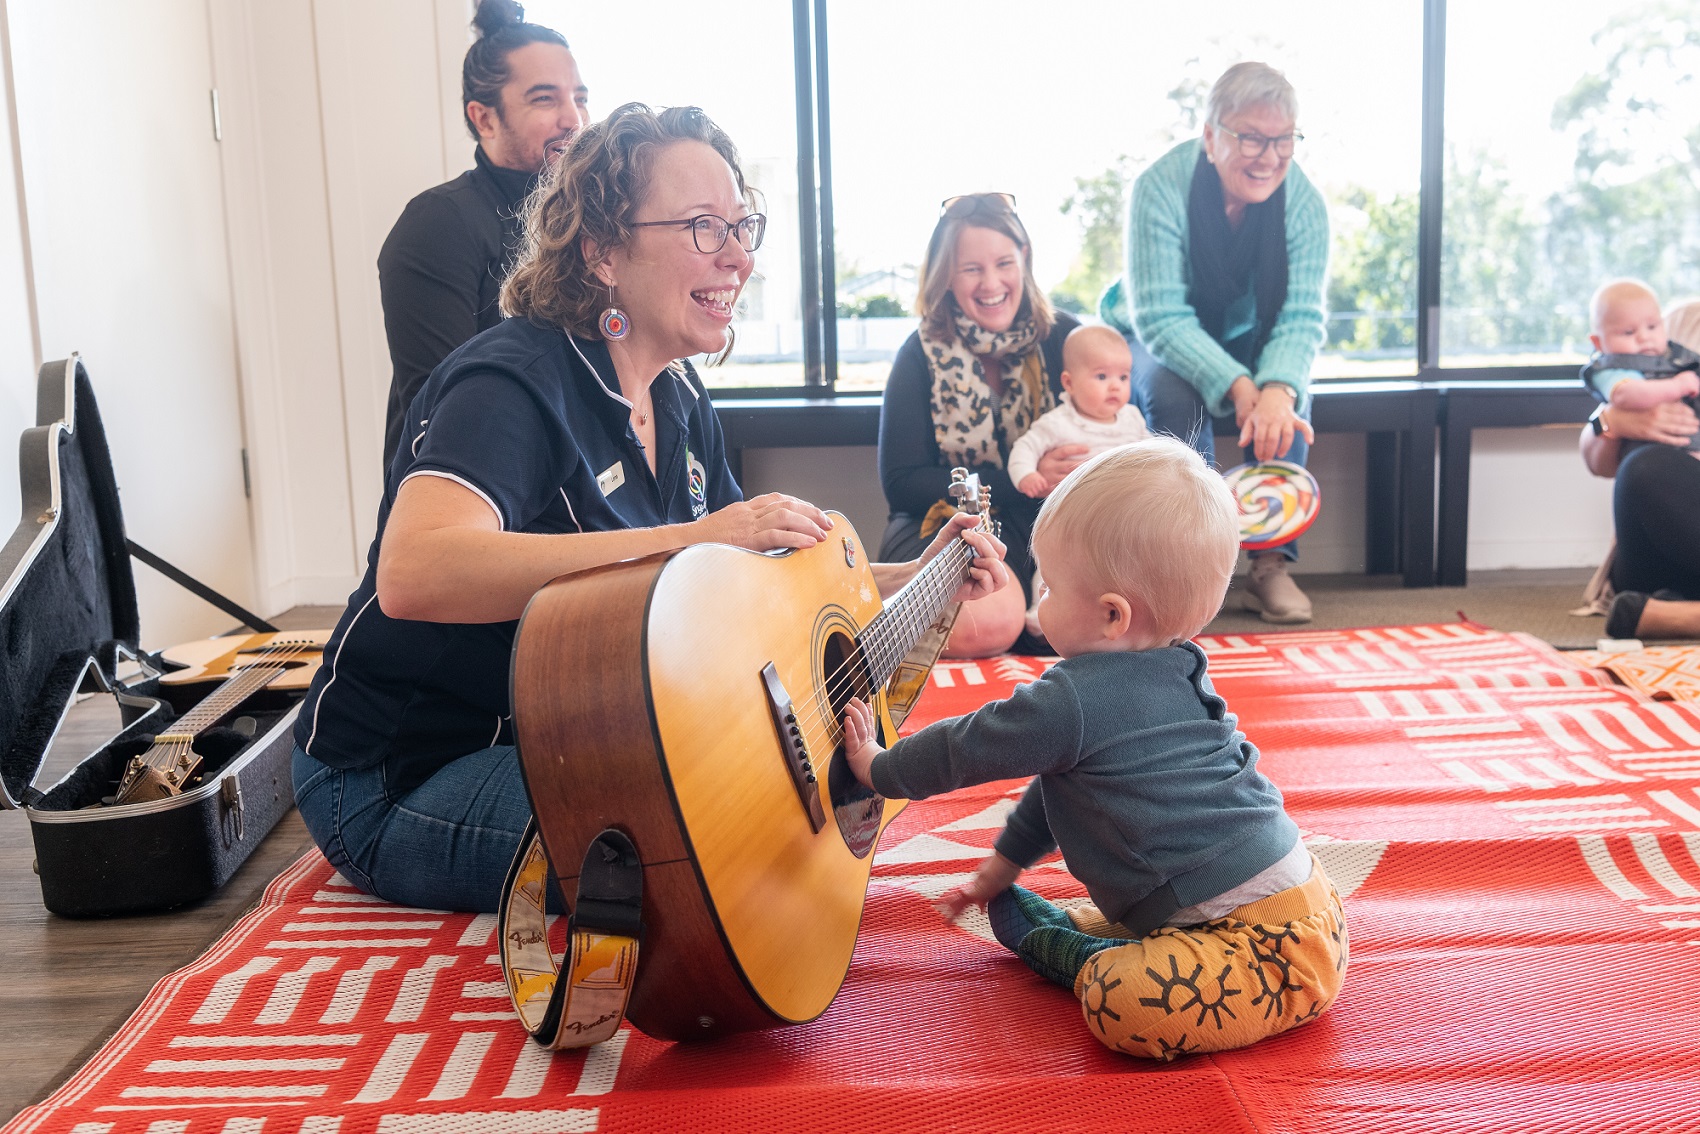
column 615, row 324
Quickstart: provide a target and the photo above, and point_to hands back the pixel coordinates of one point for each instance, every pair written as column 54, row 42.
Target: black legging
column 1656, row 506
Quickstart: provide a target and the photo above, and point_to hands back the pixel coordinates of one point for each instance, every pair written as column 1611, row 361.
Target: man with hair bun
column 441, row 268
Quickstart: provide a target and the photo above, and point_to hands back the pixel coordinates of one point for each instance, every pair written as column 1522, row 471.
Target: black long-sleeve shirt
column 440, row 275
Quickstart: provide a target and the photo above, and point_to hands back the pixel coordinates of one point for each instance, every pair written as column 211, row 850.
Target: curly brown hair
column 598, row 185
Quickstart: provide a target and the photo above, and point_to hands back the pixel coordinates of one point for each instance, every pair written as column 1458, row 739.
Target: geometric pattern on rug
column 1664, row 672
column 1517, row 837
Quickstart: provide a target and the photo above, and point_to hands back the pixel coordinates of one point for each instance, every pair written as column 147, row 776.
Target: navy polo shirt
column 532, row 421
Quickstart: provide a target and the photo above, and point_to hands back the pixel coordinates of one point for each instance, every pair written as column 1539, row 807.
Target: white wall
column 20, row 352
column 335, row 115
column 120, row 191
column 1533, row 504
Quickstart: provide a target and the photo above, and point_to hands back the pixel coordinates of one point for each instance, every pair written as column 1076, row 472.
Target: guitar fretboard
column 238, row 688
column 887, row 639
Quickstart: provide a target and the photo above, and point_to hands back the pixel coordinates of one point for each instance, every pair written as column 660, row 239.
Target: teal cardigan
column 1157, row 261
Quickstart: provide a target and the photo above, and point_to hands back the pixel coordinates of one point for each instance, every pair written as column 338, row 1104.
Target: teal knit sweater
column 1158, row 263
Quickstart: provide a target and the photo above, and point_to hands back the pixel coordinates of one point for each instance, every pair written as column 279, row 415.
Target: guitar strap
column 589, row 1005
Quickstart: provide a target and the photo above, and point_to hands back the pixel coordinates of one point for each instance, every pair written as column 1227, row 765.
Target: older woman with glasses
column 1227, row 247
column 984, row 366
column 571, row 435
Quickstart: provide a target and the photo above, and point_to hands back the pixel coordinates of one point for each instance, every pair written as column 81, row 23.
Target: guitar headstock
column 973, row 497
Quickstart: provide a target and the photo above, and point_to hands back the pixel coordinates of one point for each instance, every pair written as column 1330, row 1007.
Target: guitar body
column 640, row 703
column 215, row 659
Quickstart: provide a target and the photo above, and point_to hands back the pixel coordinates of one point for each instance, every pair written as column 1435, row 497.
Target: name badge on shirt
column 611, row 477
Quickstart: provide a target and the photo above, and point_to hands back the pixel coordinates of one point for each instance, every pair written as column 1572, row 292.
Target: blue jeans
column 1171, row 405
column 445, row 844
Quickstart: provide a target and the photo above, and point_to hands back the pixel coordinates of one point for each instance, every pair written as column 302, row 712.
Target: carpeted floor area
column 1515, row 836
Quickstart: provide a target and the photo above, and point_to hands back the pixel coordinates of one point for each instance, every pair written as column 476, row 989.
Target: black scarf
column 1225, row 261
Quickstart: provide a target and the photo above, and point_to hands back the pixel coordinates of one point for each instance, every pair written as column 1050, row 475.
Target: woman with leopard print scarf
column 983, row 367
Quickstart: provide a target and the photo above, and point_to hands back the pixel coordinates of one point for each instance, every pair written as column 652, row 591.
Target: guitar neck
column 226, row 697
column 888, row 638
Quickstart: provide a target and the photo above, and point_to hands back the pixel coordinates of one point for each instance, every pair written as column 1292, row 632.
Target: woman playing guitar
column 565, row 438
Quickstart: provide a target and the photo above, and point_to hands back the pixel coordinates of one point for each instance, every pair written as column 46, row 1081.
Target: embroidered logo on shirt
column 699, row 485
column 611, row 478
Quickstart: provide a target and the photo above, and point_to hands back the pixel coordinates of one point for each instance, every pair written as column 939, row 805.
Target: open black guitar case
column 68, row 626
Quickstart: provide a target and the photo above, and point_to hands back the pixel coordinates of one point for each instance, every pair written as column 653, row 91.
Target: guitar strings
column 822, row 733
column 231, row 693
column 880, row 636
column 936, row 579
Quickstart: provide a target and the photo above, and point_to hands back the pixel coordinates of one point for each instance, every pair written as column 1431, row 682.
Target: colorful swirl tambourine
column 1278, row 500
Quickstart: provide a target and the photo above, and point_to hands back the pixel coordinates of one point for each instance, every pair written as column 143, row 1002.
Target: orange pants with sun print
column 1268, row 966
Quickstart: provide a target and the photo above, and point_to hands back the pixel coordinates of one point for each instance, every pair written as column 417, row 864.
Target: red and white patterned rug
column 1518, row 840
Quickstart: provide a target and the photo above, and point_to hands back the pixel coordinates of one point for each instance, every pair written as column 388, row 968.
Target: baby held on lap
column 1096, row 410
column 1627, row 322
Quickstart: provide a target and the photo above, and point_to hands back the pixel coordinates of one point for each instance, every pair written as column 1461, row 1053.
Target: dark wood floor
column 71, row 983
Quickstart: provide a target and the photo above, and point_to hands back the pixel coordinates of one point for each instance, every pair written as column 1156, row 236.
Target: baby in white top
column 1095, row 412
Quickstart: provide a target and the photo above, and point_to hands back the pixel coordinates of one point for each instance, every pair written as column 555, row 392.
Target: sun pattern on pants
column 1221, row 985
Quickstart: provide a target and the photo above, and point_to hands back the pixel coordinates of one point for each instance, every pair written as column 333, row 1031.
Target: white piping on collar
column 675, row 368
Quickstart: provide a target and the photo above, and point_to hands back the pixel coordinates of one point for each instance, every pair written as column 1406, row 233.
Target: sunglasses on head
column 967, row 204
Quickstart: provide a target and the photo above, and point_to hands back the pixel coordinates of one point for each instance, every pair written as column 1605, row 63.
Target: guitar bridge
column 793, row 747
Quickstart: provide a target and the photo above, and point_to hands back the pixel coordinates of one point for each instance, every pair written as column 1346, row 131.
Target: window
column 1064, row 112
column 1570, row 157
column 669, row 53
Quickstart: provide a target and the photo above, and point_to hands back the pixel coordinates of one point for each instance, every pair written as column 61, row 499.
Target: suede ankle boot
column 1271, row 592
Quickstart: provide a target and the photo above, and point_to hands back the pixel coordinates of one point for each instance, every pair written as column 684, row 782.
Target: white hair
column 1245, row 85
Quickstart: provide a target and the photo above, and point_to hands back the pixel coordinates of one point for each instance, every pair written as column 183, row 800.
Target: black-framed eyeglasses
column 709, row 232
column 967, row 204
column 1253, row 145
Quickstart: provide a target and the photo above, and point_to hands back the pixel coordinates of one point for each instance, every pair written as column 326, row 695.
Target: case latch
column 230, row 792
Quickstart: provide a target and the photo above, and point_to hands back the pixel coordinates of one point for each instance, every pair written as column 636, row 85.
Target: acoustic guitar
column 693, row 701
column 293, row 656
column 243, row 665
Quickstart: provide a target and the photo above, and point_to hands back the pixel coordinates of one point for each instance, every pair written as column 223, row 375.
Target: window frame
column 814, row 195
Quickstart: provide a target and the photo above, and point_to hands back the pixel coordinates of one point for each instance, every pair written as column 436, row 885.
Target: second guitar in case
column 69, row 625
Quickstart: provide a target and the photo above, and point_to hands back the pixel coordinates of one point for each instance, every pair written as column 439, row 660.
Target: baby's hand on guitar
column 1033, row 485
column 764, row 523
column 860, row 747
column 995, row 875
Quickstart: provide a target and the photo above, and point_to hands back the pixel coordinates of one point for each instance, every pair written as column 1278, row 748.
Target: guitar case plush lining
column 69, row 624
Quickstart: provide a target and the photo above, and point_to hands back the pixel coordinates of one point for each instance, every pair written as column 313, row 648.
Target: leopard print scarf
column 972, row 429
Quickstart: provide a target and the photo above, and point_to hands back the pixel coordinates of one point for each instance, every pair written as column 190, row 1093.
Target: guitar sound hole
column 855, row 808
